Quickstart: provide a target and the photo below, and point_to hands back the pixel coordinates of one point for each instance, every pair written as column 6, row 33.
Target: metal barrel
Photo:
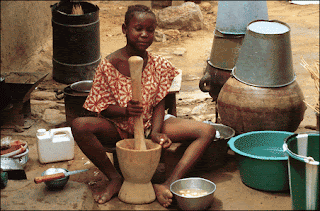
column 76, row 42
column 265, row 57
column 234, row 16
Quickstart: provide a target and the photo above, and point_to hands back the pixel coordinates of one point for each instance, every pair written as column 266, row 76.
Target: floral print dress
column 110, row 87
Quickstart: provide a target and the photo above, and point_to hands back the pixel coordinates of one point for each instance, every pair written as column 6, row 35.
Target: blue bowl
column 58, row 183
column 263, row 164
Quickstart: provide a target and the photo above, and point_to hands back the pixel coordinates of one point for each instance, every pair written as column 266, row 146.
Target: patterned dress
column 110, row 87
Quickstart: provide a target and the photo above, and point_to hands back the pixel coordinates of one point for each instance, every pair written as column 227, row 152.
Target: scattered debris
column 86, row 163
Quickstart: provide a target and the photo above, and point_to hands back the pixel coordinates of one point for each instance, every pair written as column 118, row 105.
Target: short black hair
column 136, row 8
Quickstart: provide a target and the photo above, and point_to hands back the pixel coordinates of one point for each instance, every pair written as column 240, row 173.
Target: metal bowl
column 217, row 151
column 56, row 184
column 193, row 202
column 22, row 158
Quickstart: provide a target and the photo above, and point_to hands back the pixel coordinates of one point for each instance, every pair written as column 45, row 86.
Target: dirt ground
column 231, row 193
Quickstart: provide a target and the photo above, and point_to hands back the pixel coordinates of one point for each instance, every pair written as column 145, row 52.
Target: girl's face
column 140, row 31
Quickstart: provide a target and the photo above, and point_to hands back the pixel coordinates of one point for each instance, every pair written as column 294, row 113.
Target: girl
column 110, row 97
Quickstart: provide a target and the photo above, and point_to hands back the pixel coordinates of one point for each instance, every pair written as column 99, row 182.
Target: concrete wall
column 25, row 27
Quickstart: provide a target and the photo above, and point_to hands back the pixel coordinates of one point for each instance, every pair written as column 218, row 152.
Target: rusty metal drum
column 76, row 42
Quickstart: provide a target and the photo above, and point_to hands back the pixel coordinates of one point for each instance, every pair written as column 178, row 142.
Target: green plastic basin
column 262, row 163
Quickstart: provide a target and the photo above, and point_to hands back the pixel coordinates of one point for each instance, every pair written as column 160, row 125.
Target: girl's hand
column 161, row 139
column 134, row 108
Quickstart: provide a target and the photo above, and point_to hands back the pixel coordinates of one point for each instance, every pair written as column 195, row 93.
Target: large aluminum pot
column 265, row 58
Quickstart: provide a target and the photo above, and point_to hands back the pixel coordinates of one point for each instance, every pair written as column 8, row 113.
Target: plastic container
column 262, row 163
column 303, row 164
column 55, row 145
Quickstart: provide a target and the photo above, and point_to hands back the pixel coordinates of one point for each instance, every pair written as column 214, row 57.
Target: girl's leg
column 85, row 131
column 200, row 135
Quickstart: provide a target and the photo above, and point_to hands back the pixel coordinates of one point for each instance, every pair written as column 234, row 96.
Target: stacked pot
column 250, row 72
column 232, row 20
column 262, row 93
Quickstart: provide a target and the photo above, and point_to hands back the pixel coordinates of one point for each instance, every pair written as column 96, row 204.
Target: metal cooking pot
column 216, row 153
column 74, row 101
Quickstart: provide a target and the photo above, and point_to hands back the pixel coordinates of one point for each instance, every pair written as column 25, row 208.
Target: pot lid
column 82, row 86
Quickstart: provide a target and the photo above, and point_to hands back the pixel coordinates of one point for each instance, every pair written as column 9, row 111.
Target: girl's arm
column 157, row 123
column 113, row 111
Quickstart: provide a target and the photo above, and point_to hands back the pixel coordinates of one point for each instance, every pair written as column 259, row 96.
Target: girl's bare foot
column 163, row 194
column 112, row 189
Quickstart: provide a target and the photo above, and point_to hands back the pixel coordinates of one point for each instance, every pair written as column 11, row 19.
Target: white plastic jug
column 55, row 145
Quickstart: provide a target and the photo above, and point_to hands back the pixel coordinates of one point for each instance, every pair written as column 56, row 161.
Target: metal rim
column 263, row 86
column 308, row 160
column 193, row 178
column 276, row 21
column 224, row 69
column 75, row 86
column 14, row 153
column 217, row 124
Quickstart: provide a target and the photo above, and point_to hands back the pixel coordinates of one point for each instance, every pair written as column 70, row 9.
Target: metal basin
column 193, row 202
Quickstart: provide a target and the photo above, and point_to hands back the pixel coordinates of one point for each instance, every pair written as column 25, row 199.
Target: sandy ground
column 231, row 193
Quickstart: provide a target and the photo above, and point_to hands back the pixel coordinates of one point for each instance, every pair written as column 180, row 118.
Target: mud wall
column 25, row 27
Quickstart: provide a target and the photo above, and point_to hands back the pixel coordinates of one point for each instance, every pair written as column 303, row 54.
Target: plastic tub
column 262, row 163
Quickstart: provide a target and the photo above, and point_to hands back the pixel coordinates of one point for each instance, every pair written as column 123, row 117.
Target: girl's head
column 136, row 9
column 139, row 27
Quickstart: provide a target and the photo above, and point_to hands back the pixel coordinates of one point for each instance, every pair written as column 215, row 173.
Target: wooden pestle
column 136, row 65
